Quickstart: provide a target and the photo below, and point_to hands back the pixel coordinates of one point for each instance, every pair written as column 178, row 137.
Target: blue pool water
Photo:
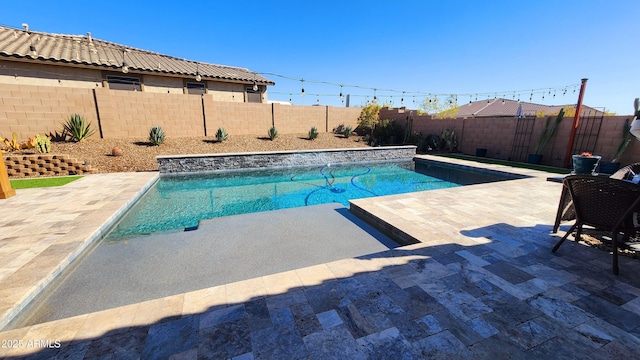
column 180, row 202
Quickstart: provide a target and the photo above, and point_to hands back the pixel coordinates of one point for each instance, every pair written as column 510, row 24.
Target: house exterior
column 80, row 61
column 499, row 107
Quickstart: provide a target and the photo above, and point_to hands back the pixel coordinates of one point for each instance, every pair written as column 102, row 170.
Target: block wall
column 44, row 165
column 29, row 109
column 133, row 114
column 297, row 119
column 343, row 116
column 497, row 135
column 237, row 118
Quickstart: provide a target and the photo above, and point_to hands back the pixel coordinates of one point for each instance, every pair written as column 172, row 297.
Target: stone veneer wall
column 44, row 165
column 180, row 164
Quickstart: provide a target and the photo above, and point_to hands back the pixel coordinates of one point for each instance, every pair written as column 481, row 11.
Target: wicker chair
column 627, row 172
column 604, row 203
column 566, row 212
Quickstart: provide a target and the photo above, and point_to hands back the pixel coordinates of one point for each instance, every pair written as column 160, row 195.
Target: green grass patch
column 550, row 169
column 42, row 182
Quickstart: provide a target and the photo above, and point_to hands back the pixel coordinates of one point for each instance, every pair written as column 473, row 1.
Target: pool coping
column 47, row 261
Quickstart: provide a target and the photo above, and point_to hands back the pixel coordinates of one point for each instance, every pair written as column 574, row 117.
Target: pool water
column 180, row 202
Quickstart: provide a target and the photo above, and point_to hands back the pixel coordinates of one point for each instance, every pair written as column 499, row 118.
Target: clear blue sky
column 438, row 47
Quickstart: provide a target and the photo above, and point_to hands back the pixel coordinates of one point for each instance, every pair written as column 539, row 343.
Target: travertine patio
column 482, row 282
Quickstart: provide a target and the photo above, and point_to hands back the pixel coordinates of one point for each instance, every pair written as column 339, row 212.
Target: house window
column 196, row 88
column 124, row 83
column 254, row 96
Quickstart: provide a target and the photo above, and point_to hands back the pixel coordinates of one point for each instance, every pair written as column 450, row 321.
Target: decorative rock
column 116, row 151
column 177, row 164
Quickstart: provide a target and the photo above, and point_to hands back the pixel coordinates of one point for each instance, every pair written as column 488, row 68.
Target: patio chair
column 566, row 212
column 627, row 172
column 606, row 204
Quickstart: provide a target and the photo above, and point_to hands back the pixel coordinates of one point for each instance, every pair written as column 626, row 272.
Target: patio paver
column 482, row 282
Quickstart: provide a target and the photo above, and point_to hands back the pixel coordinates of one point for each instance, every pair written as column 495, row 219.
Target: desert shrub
column 156, row 135
column 389, row 131
column 221, row 135
column 313, row 133
column 273, row 133
column 348, row 131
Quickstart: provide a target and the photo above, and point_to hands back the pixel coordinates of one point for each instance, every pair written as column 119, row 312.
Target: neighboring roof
column 504, row 107
column 88, row 51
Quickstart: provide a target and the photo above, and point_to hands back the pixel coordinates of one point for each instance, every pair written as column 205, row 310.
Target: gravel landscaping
column 139, row 155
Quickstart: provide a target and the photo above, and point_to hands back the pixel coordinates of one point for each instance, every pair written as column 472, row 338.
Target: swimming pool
column 180, row 202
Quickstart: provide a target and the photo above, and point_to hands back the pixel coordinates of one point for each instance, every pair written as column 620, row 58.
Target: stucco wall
column 226, row 92
column 163, row 84
column 22, row 73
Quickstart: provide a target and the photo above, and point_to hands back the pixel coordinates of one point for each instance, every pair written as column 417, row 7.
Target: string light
column 125, row 67
column 199, row 77
column 516, row 94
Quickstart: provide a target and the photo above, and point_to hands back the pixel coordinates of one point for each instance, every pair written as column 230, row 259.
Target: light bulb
column 302, row 93
column 255, row 86
column 198, row 77
column 125, row 68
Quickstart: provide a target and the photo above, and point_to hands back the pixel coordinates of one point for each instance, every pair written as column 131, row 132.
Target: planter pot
column 481, row 152
column 585, row 164
column 534, row 159
column 607, row 167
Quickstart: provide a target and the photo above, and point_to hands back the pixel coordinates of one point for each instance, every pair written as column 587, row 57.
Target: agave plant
column 221, row 135
column 273, row 132
column 313, row 133
column 78, row 128
column 156, row 135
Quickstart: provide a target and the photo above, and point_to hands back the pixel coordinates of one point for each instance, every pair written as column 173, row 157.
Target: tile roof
column 87, row 51
column 504, row 107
